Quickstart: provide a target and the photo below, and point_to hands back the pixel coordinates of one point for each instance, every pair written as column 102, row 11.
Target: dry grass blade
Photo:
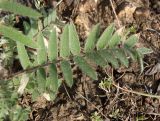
column 137, row 93
column 153, row 70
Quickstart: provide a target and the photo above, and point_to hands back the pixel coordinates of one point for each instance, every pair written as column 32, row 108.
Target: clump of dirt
column 86, row 97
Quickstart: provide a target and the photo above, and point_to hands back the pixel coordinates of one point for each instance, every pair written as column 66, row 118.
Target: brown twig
column 115, row 13
column 93, row 105
column 26, row 71
column 114, row 99
column 67, row 91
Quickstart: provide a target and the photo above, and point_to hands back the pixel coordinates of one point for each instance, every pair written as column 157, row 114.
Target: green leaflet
column 23, row 83
column 31, row 28
column 144, row 50
column 131, row 41
column 51, row 17
column 109, row 57
column 41, row 79
column 19, row 9
column 15, row 35
column 35, row 95
column 85, row 67
column 23, row 56
column 64, row 43
column 53, row 78
column 141, row 52
column 105, row 37
column 120, row 54
column 114, row 40
column 74, row 43
column 140, row 59
column 41, row 51
column 27, row 27
column 92, row 39
column 67, row 72
column 52, row 46
column 131, row 53
column 97, row 58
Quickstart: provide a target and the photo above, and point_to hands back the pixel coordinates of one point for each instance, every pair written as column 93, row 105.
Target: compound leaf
column 85, row 67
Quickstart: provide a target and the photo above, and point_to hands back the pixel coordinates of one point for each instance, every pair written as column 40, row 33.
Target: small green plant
column 115, row 114
column 106, row 84
column 95, row 117
column 109, row 48
column 9, row 108
column 141, row 118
